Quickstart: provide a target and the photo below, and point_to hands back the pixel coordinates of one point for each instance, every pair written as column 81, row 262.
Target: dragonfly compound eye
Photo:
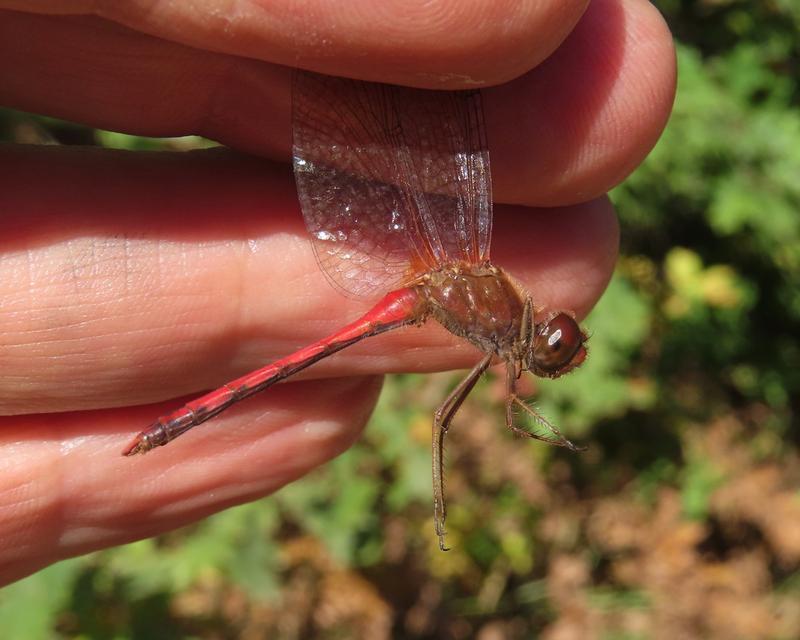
column 557, row 346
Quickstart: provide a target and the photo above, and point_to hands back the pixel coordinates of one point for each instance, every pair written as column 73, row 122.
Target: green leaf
column 29, row 608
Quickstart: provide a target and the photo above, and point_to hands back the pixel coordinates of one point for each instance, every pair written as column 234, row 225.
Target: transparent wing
column 392, row 181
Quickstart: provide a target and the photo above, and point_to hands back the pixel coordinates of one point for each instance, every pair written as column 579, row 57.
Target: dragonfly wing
column 447, row 179
column 392, row 181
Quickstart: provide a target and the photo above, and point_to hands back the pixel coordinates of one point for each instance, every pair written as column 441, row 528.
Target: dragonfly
column 394, row 185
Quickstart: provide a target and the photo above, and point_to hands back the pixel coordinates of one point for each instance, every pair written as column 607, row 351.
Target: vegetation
column 681, row 520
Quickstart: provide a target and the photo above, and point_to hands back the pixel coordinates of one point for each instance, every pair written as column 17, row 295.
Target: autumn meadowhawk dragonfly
column 395, row 189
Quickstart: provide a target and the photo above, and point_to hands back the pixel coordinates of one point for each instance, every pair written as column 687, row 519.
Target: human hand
column 134, row 278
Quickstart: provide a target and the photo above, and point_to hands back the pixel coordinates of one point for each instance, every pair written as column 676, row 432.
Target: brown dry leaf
column 567, row 578
column 761, row 497
column 349, row 602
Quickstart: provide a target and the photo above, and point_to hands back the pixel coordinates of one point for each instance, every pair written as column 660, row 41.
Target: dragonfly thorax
column 481, row 304
column 485, row 306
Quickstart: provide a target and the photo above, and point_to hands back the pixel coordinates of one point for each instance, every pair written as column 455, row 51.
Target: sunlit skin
column 129, row 279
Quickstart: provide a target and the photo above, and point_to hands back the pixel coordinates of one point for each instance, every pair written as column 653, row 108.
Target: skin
column 128, row 280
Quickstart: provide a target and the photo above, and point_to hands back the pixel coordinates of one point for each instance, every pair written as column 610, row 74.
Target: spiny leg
column 512, row 399
column 441, row 423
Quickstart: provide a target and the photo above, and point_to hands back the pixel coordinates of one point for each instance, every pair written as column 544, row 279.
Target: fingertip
column 578, row 124
column 565, row 256
column 67, row 492
column 445, row 44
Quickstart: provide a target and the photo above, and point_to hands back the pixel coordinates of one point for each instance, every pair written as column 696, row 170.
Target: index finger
column 134, row 277
column 566, row 132
column 436, row 44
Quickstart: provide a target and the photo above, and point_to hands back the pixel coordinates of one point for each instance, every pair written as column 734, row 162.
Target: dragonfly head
column 558, row 346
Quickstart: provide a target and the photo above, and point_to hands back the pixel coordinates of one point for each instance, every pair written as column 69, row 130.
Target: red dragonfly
column 395, row 189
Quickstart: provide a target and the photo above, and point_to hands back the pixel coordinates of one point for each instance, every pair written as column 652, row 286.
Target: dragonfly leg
column 441, row 423
column 512, row 400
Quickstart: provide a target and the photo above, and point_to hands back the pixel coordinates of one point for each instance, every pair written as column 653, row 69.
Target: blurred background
column 682, row 520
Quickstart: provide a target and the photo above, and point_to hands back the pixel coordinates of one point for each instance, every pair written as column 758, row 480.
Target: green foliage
column 338, row 507
column 603, row 389
column 29, row 607
column 237, row 543
column 698, row 482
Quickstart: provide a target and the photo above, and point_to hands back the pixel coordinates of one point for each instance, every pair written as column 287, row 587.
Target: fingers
column 579, row 123
column 563, row 133
column 129, row 278
column 432, row 44
column 66, row 490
